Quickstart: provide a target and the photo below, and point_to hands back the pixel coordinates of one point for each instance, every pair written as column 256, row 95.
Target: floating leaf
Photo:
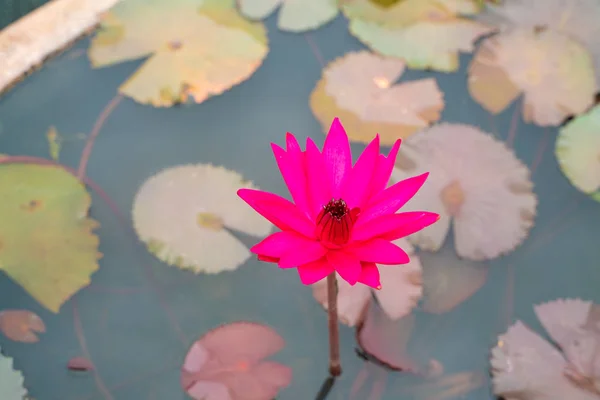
column 54, row 142
column 578, row 19
column 554, row 73
column 46, row 240
column 359, row 89
column 197, row 48
column 21, row 325
column 471, row 173
column 424, row 33
column 574, row 325
column 386, row 340
column 578, row 152
column 401, row 289
column 182, row 214
column 228, row 363
column 525, row 366
column 449, row 280
column 294, row 15
column 446, row 387
column 11, row 381
column 80, row 364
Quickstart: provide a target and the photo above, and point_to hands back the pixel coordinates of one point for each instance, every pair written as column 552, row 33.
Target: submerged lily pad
column 197, row 48
column 11, row 381
column 231, row 362
column 578, row 152
column 424, row 33
column 46, row 240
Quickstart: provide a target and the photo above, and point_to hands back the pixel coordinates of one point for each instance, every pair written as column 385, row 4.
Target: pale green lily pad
column 427, row 34
column 294, row 15
column 46, row 241
column 183, row 214
column 578, row 152
column 11, row 381
column 197, row 49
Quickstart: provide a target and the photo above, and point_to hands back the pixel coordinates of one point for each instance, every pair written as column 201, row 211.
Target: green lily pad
column 46, row 241
column 427, row 34
column 11, row 381
column 578, row 152
column 196, row 49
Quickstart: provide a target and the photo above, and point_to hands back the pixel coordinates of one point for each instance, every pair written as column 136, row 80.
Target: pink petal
column 357, row 184
column 279, row 211
column 267, row 259
column 303, row 252
column 292, row 169
column 383, row 170
column 370, row 275
column 395, row 226
column 393, row 198
column 315, row 271
column 346, row 264
column 379, row 251
column 279, row 243
column 337, row 156
column 319, row 187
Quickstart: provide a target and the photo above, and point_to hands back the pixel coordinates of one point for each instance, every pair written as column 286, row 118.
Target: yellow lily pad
column 361, row 89
column 46, row 241
column 197, row 49
column 426, row 34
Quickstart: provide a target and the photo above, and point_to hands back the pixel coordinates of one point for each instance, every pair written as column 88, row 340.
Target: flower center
column 335, row 222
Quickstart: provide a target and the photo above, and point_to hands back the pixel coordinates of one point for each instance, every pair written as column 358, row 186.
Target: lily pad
column 11, row 381
column 553, row 72
column 361, row 89
column 46, row 241
column 294, row 15
column 21, row 325
column 424, row 33
column 197, row 49
column 578, row 152
column 184, row 215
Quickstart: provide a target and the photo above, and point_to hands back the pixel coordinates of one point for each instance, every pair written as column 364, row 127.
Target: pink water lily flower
column 344, row 218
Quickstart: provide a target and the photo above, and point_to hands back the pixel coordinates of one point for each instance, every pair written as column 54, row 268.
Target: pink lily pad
column 80, row 364
column 385, row 340
column 228, row 363
column 21, row 325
